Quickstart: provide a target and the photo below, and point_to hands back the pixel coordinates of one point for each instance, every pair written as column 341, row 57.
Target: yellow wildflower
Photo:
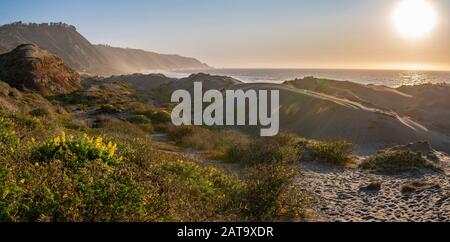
column 57, row 141
column 98, row 140
column 5, row 193
column 112, row 151
column 63, row 137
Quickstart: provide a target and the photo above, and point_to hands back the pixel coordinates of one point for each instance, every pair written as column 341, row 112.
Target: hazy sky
column 251, row 33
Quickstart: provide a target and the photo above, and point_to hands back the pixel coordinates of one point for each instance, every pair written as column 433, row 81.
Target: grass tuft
column 398, row 159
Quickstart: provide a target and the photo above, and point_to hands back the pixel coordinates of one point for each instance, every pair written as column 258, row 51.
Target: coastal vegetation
column 83, row 149
column 74, row 176
column 398, row 159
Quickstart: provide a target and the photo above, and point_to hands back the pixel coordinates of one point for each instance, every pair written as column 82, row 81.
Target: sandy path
column 340, row 198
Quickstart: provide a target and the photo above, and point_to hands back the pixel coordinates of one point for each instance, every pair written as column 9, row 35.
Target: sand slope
column 427, row 104
column 319, row 116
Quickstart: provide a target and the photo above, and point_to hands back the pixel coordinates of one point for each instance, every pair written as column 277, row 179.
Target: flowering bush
column 76, row 151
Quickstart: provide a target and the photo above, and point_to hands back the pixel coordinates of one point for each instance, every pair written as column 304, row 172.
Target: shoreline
column 388, row 78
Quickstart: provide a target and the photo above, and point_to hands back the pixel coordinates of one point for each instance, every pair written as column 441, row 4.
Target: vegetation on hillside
column 88, row 156
column 102, row 166
column 398, row 159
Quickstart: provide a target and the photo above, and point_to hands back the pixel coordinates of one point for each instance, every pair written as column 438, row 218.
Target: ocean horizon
column 390, row 78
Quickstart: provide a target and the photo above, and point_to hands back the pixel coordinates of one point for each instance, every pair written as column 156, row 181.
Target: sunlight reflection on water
column 390, row 78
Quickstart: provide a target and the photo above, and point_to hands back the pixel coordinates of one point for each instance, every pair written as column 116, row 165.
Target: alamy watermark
column 237, row 108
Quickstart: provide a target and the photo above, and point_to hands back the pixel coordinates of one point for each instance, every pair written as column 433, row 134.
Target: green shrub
column 337, row 153
column 108, row 109
column 25, row 122
column 108, row 125
column 40, row 112
column 76, row 151
column 397, row 160
column 270, row 194
column 157, row 116
column 148, row 128
column 138, row 119
column 200, row 138
column 143, row 122
column 51, row 192
column 177, row 133
column 161, row 116
column 281, row 148
column 196, row 192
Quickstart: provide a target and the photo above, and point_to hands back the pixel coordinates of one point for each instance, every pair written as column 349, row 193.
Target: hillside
column 318, row 116
column 64, row 41
column 28, row 67
column 142, row 82
column 63, row 155
column 428, row 104
column 150, row 82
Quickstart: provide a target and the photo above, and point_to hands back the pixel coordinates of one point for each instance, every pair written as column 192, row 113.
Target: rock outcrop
column 30, row 68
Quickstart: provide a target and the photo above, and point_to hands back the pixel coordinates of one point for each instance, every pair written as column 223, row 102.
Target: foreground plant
column 338, row 153
column 279, row 149
column 271, row 194
column 398, row 160
column 77, row 151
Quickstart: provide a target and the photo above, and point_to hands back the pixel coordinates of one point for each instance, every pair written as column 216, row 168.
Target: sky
column 252, row 33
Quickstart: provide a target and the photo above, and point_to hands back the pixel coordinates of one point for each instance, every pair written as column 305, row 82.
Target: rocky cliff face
column 77, row 52
column 29, row 67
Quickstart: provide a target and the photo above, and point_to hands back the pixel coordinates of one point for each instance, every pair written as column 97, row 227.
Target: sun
column 414, row 18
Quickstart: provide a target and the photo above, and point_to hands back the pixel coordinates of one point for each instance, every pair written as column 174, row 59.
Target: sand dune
column 321, row 116
column 427, row 104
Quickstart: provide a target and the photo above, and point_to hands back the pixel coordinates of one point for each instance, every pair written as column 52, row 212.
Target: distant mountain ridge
column 78, row 53
column 139, row 61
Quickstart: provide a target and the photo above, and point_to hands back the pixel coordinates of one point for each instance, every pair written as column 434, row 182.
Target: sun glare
column 414, row 18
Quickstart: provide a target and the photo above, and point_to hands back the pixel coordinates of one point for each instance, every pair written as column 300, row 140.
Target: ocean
column 391, row 78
